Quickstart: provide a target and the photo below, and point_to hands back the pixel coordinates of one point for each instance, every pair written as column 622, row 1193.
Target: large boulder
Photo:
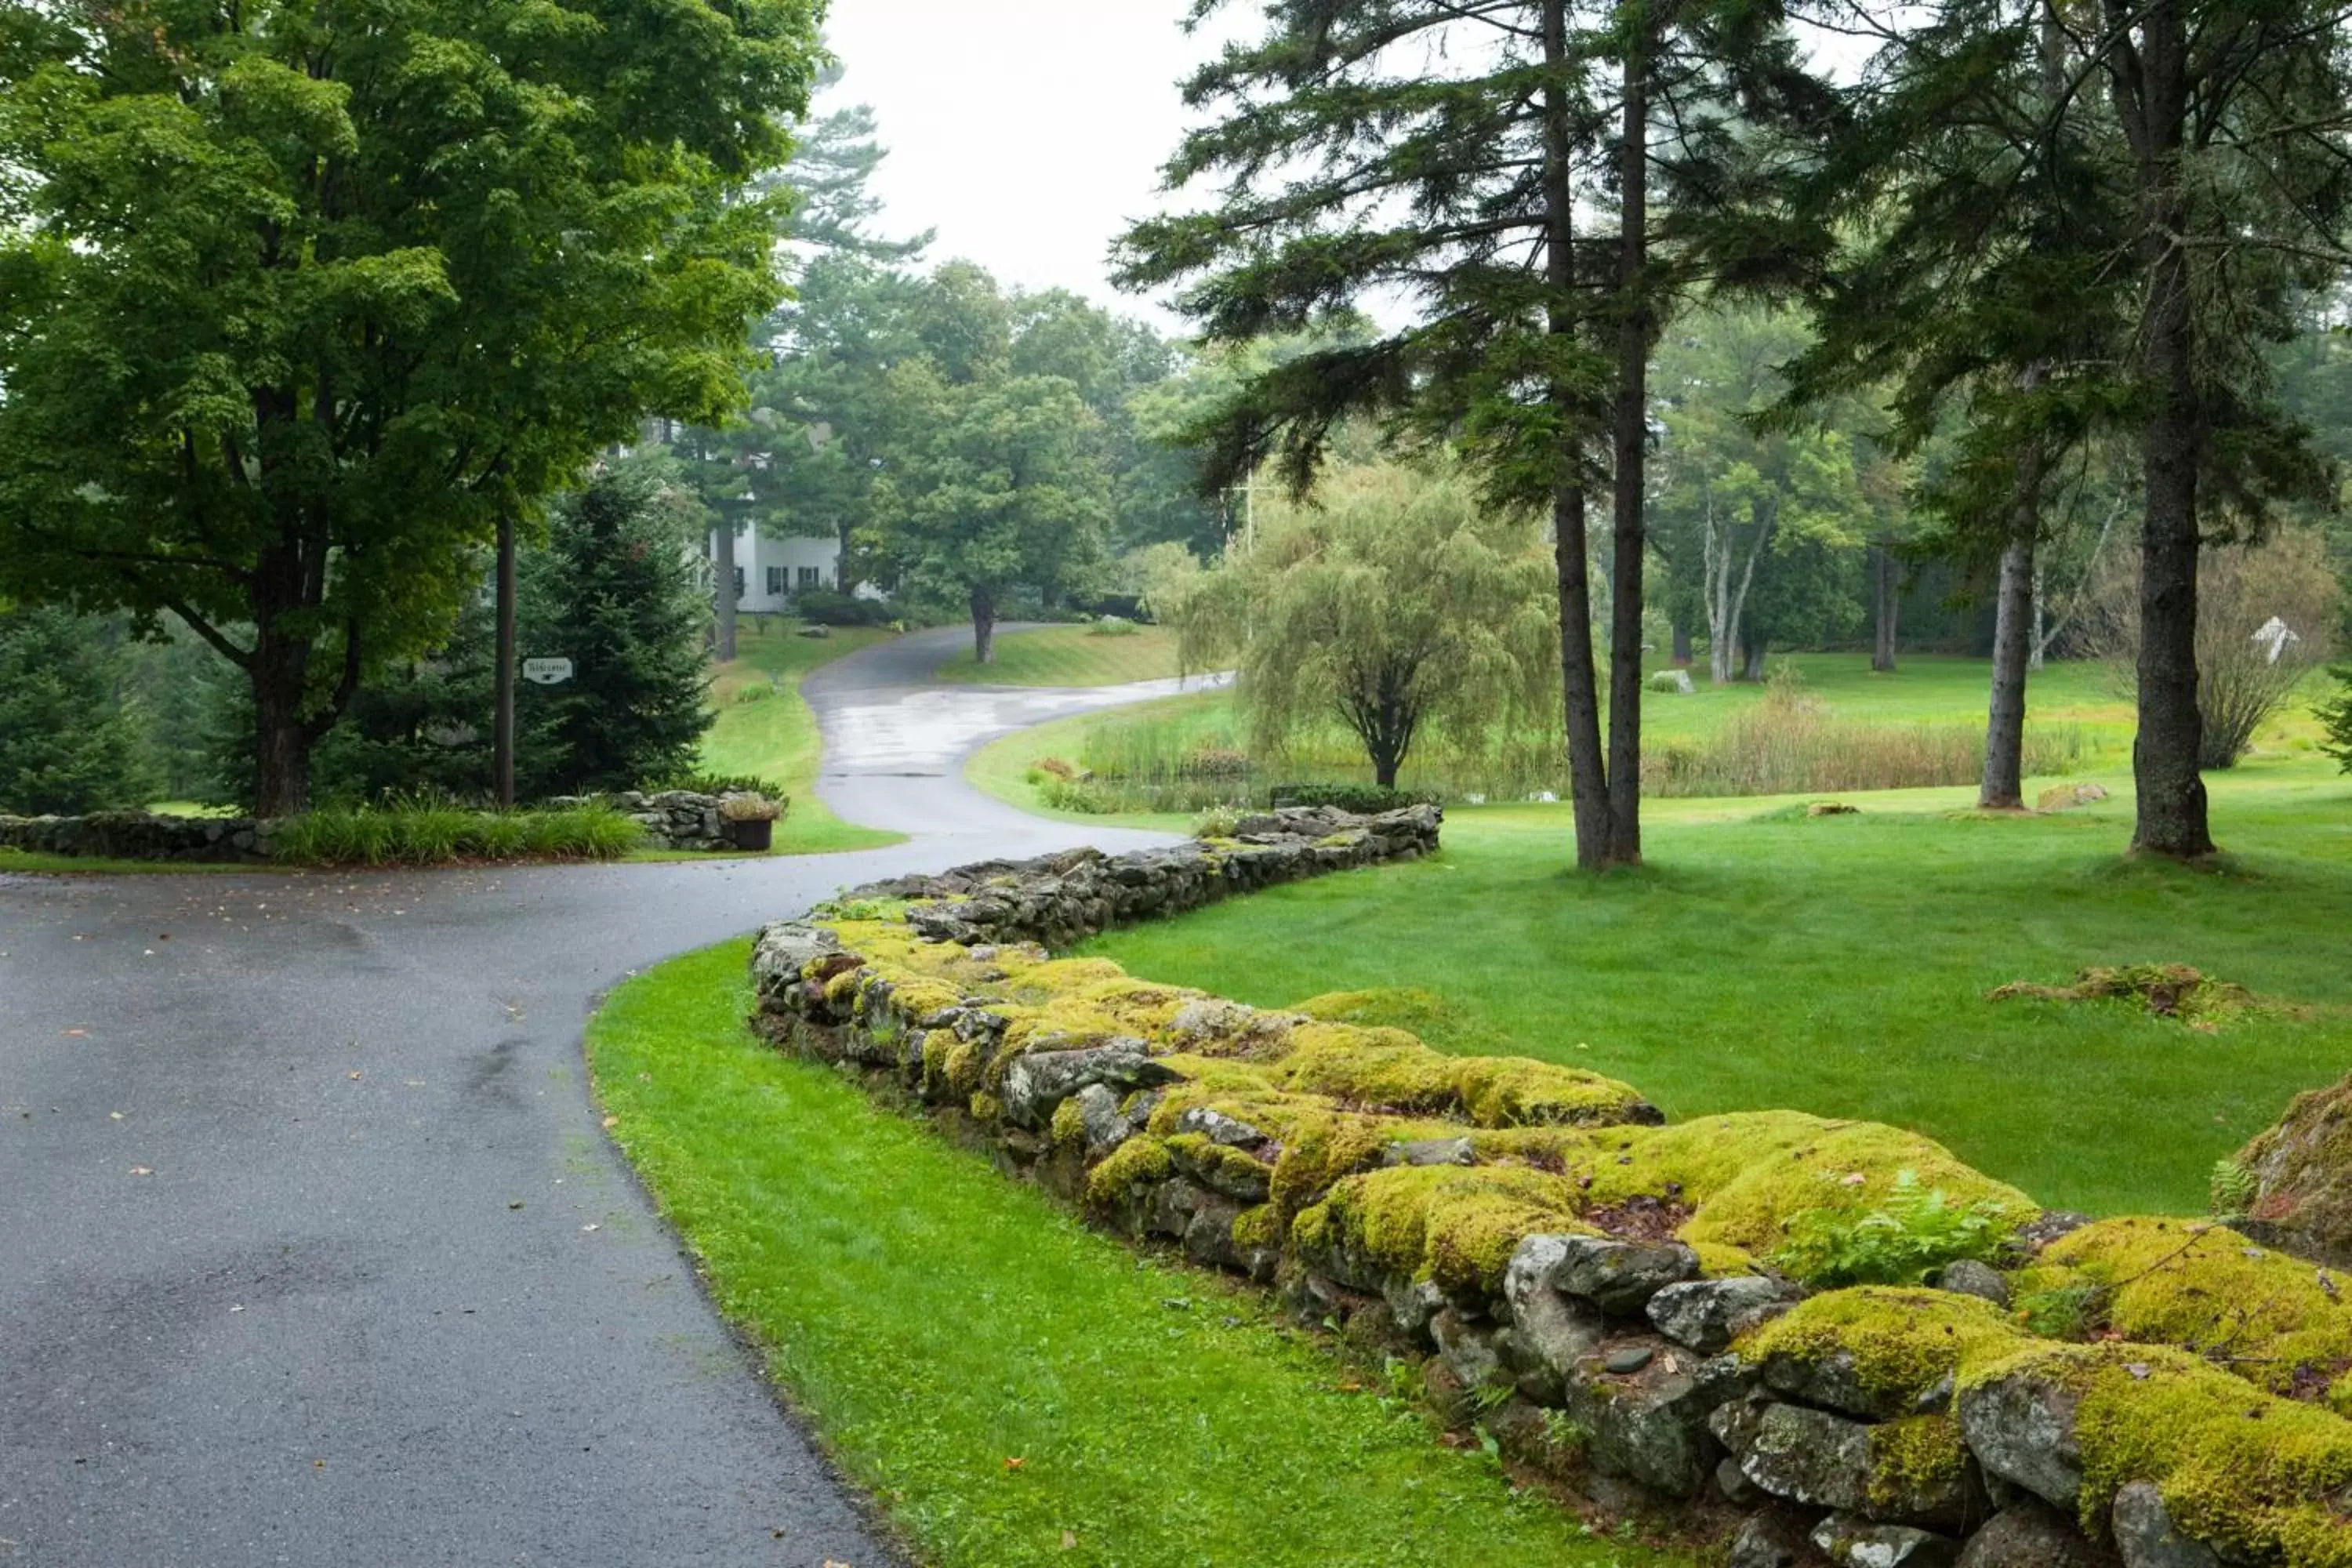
column 1620, row 1276
column 2144, row 1536
column 2022, row 1428
column 1912, row 1471
column 1650, row 1424
column 1037, row 1083
column 2301, row 1172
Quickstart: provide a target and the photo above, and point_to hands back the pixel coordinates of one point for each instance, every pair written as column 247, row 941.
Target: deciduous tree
column 297, row 300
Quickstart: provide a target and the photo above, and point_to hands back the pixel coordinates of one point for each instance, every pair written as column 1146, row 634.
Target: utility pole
column 503, row 745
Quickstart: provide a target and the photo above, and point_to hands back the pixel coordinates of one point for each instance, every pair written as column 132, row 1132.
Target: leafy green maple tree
column 299, row 298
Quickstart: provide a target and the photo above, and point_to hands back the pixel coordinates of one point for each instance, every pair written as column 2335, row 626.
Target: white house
column 769, row 571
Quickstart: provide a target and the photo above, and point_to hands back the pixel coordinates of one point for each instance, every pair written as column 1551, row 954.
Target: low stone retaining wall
column 140, row 836
column 1062, row 898
column 1622, row 1304
column 672, row 819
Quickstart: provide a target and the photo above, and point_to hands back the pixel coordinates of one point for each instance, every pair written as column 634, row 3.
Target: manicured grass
column 24, row 862
column 1068, row 655
column 1014, row 1388
column 765, row 728
column 1839, row 965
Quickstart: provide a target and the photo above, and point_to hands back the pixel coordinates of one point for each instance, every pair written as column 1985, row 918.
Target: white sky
column 1028, row 133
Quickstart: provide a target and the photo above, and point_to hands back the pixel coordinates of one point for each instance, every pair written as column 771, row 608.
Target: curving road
column 311, row 1247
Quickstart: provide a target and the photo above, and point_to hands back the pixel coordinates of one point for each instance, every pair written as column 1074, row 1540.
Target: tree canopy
column 296, row 302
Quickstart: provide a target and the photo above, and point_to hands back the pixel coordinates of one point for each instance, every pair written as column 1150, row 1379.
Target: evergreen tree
column 623, row 604
column 1457, row 184
column 67, row 745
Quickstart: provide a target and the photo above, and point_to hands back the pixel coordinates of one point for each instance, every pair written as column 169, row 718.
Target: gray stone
column 784, row 952
column 1039, row 1081
column 1431, row 1151
column 1773, row 1539
column 1831, row 1381
column 2144, row 1536
column 1652, row 1426
column 2032, row 1534
column 1804, row 1455
column 2022, row 1428
column 1236, row 1177
column 1827, row 1461
column 1209, row 1235
column 1733, row 1483
column 1218, row 1128
column 1467, row 1349
column 1708, row 1314
column 1106, row 1126
column 1627, row 1362
column 1858, row 1543
column 1971, row 1277
column 1413, row 1302
column 1556, row 1333
column 1620, row 1276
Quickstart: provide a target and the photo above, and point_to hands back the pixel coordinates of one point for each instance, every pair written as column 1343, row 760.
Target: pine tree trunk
column 724, row 569
column 1587, row 781
column 983, row 626
column 2003, row 788
column 1632, row 446
column 2171, row 808
column 1885, row 604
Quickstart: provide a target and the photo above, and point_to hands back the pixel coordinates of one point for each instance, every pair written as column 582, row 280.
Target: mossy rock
column 1454, row 1226
column 2165, row 990
column 2278, row 1321
column 2262, row 1479
column 2301, row 1172
column 1878, row 1350
column 1391, row 1070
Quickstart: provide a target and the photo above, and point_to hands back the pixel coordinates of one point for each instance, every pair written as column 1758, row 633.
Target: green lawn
column 1014, row 1388
column 1068, row 655
column 1838, row 965
column 765, row 728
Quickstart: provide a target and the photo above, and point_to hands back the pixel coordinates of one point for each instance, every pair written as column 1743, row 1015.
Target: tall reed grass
column 1788, row 743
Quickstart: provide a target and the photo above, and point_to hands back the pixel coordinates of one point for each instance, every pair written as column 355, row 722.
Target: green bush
column 1361, row 798
column 825, row 608
column 433, row 835
column 2338, row 717
column 1112, row 626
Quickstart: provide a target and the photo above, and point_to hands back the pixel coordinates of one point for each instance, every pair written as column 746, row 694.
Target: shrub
column 1673, row 682
column 429, row 835
column 2338, row 717
column 1112, row 626
column 1217, row 822
column 2263, row 612
column 827, row 607
column 1361, row 798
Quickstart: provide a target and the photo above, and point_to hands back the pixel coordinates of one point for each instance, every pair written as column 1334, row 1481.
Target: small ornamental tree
column 67, row 746
column 2338, row 717
column 1392, row 603
column 623, row 604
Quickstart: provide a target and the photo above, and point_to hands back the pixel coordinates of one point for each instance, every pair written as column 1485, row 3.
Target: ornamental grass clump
column 433, row 834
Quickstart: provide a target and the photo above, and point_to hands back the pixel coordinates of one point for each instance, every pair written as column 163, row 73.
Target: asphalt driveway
column 312, row 1249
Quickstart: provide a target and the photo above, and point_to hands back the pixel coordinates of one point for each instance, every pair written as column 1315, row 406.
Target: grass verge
column 1068, row 655
column 1839, row 965
column 1014, row 1388
column 765, row 728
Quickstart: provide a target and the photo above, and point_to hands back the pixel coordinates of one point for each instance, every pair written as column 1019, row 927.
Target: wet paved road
column 311, row 1247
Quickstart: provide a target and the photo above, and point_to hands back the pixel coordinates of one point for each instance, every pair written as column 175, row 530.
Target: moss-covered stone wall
column 1662, row 1316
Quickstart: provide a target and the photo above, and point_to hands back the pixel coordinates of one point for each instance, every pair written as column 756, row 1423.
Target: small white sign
column 547, row 671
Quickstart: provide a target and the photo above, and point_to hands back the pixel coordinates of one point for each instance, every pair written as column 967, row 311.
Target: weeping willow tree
column 1393, row 602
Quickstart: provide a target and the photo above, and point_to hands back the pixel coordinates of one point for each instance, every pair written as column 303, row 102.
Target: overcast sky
column 1028, row 133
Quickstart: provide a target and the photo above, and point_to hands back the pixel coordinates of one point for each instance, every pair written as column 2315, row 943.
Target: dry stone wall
column 1611, row 1298
column 140, row 836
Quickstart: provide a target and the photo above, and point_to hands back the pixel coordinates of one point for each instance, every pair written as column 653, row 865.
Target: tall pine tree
column 1456, row 183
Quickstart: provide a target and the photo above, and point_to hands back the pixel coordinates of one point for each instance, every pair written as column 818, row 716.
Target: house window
column 812, row 577
column 775, row 580
column 738, row 582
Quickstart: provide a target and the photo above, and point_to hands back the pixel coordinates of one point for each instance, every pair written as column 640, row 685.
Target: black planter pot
column 752, row 835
